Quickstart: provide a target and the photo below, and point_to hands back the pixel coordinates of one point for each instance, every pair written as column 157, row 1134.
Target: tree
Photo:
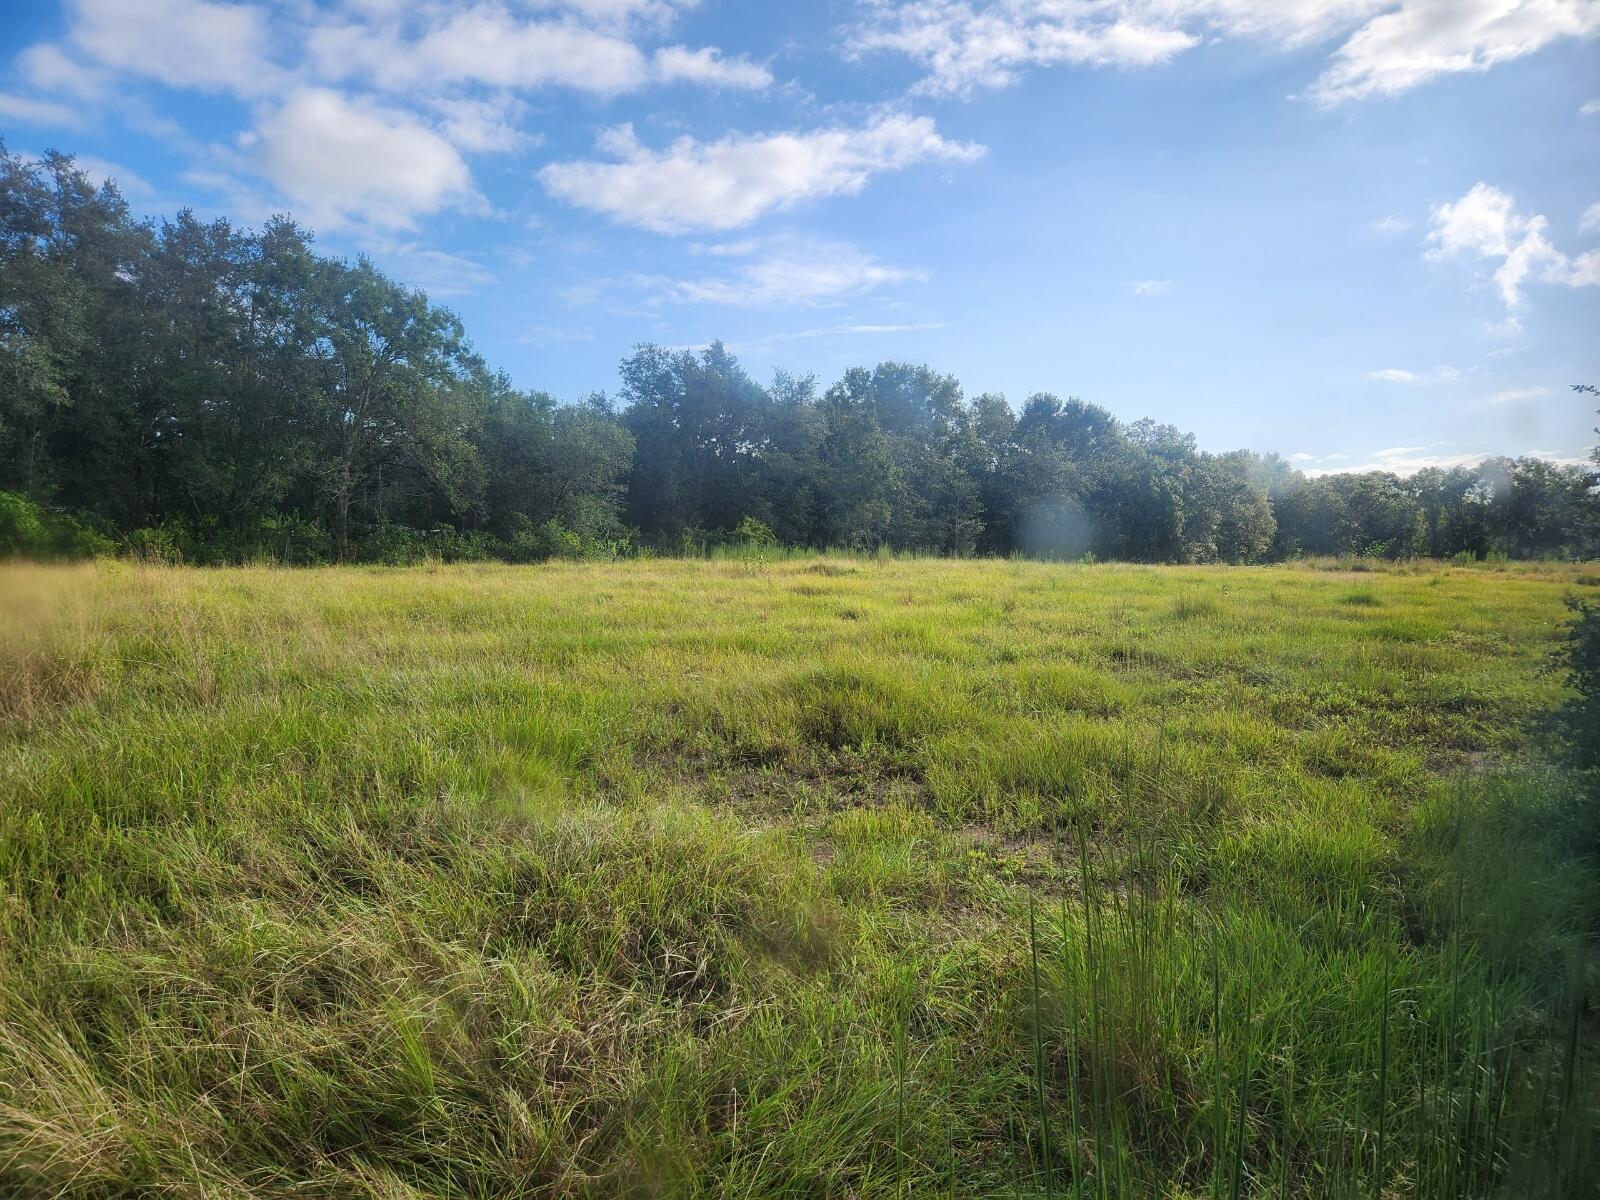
column 396, row 388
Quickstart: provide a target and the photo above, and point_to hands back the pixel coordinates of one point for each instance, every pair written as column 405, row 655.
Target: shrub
column 22, row 530
column 28, row 530
column 1576, row 724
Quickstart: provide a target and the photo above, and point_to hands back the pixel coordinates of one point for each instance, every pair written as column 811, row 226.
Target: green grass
column 790, row 877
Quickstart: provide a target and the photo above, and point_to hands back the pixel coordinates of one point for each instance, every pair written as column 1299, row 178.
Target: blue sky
column 1356, row 232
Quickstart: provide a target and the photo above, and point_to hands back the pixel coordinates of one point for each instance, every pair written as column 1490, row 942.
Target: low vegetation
column 775, row 875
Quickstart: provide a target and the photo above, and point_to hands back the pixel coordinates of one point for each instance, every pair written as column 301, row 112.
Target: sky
column 1358, row 233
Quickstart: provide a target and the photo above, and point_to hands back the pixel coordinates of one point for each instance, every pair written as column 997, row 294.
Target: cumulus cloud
column 723, row 184
column 362, row 110
column 182, row 43
column 1388, row 47
column 345, row 160
column 481, row 45
column 264, row 48
column 1485, row 224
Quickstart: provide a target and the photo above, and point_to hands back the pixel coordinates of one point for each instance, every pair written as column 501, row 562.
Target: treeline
column 193, row 390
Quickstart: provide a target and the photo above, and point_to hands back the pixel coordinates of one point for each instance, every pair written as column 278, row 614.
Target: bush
column 755, row 533
column 1576, row 725
column 22, row 530
column 28, row 530
column 530, row 543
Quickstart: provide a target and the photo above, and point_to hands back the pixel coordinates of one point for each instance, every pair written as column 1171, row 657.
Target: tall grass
column 1215, row 1048
column 803, row 877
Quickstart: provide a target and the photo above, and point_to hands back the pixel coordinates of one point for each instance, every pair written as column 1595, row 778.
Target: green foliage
column 754, row 533
column 1577, row 723
column 28, row 530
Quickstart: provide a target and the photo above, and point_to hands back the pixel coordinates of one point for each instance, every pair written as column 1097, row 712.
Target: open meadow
column 791, row 876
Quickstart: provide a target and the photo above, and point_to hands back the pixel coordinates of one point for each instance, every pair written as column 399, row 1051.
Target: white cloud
column 1590, row 221
column 966, row 45
column 488, row 45
column 730, row 182
column 27, row 111
column 1146, row 288
column 1591, row 108
column 481, row 45
column 265, row 48
column 793, row 273
column 739, row 249
column 479, row 126
column 1408, row 460
column 1390, row 225
column 1484, row 224
column 183, row 43
column 437, row 272
column 848, row 329
column 343, row 161
column 1440, row 374
column 619, row 12
column 706, row 66
column 1420, row 39
column 1397, row 460
column 1517, row 395
column 1389, row 46
column 543, row 335
column 50, row 69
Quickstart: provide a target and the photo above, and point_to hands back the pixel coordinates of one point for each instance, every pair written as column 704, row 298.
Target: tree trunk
column 341, row 525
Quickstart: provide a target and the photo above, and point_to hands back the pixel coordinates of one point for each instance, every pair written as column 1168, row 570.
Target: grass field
column 805, row 877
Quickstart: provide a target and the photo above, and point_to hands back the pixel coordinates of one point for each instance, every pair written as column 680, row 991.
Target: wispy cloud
column 1518, row 395
column 1147, row 288
column 25, row 110
column 793, row 272
column 1441, row 374
column 846, row 330
column 544, row 335
column 1390, row 225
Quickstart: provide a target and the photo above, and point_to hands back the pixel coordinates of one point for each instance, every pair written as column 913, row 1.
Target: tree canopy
column 192, row 388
